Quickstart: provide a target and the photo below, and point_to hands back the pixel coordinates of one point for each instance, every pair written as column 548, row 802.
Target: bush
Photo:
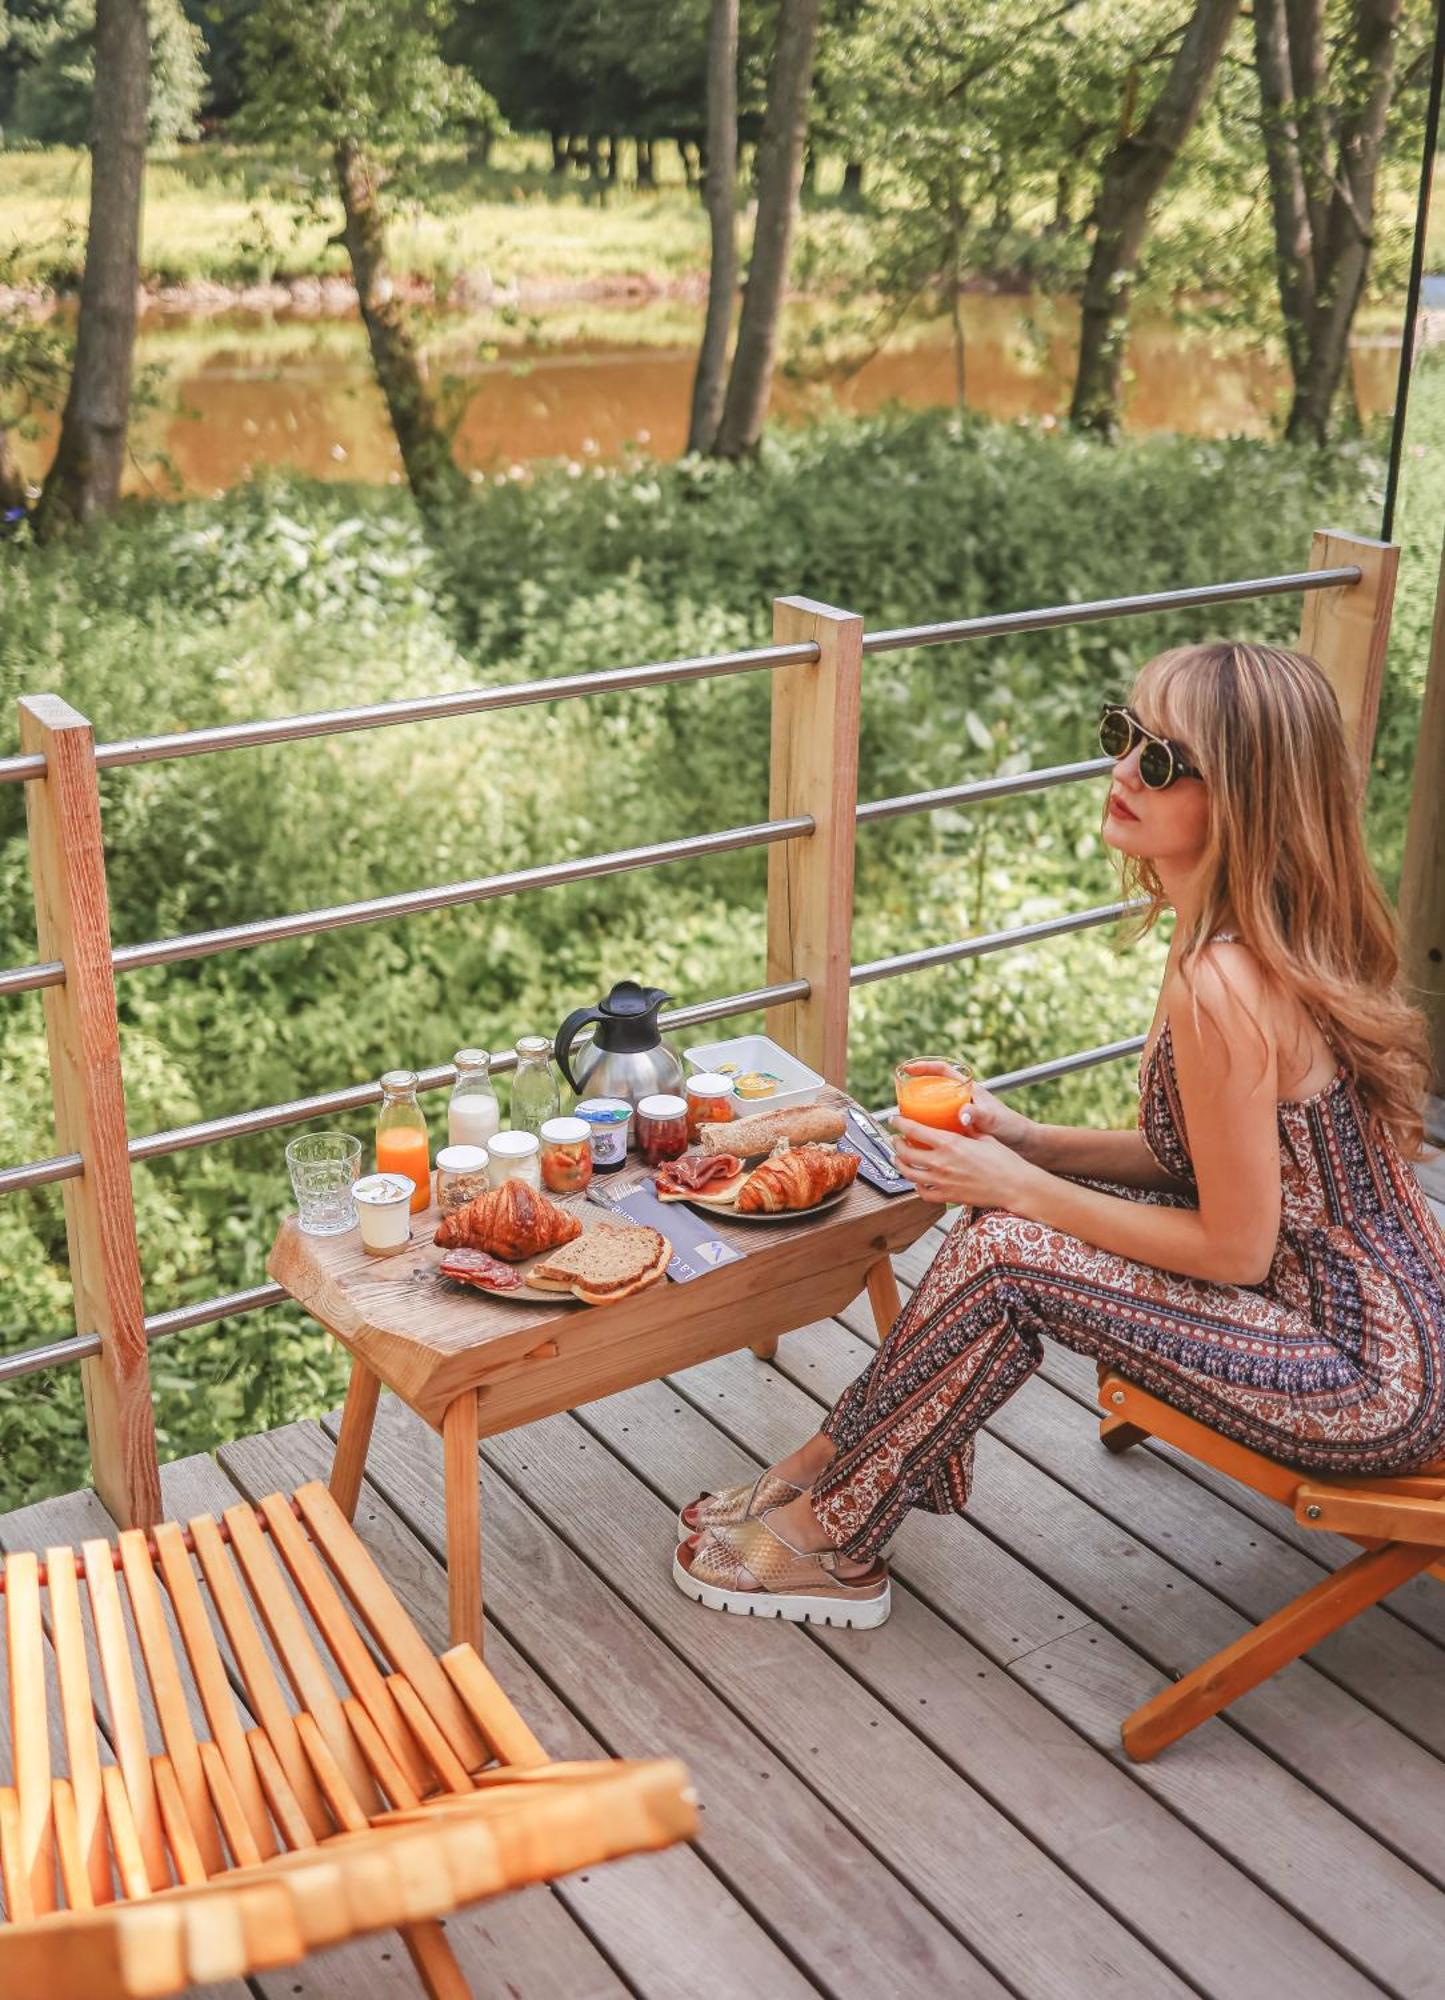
column 285, row 596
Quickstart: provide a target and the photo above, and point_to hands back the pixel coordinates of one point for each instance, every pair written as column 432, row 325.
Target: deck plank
column 1197, row 1909
column 1012, row 1903
column 1243, row 1799
column 706, row 1929
column 774, row 1839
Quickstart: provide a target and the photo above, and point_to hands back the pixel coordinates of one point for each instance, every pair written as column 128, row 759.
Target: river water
column 231, row 395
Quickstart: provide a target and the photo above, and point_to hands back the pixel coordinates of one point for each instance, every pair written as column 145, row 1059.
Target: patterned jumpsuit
column 1335, row 1363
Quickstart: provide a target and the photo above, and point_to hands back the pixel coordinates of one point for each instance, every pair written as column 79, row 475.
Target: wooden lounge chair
column 1399, row 1524
column 383, row 1787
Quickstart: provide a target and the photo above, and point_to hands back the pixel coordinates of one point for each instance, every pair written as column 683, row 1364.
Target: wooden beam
column 1347, row 628
column 72, row 918
column 814, row 769
column 1422, row 879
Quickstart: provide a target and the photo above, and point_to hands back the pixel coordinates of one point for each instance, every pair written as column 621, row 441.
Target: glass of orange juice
column 933, row 1091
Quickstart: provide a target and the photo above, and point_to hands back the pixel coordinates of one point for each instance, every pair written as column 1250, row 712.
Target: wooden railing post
column 1422, row 879
column 72, row 915
column 1347, row 629
column 810, row 881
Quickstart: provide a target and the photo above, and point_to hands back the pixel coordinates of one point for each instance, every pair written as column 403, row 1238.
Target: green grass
column 234, row 215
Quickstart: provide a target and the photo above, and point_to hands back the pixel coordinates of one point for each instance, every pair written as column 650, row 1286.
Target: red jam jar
column 661, row 1129
column 709, row 1102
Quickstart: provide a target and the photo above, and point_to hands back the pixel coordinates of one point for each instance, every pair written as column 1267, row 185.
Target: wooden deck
column 939, row 1806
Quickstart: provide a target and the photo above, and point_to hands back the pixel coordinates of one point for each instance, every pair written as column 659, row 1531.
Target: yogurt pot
column 383, row 1209
column 607, row 1120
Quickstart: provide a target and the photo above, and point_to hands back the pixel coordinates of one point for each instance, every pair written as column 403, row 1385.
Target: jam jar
column 709, row 1102
column 566, row 1155
column 661, row 1129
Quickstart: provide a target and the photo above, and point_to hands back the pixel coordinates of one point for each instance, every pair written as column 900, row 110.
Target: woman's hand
column 951, row 1167
column 988, row 1117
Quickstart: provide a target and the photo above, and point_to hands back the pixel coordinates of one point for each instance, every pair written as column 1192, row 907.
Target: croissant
column 796, row 1179
column 512, row 1221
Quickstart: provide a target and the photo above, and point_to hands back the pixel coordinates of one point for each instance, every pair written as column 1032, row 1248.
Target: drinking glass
column 323, row 1166
column 933, row 1091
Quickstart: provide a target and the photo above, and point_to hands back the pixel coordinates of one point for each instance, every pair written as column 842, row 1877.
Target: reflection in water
column 304, row 396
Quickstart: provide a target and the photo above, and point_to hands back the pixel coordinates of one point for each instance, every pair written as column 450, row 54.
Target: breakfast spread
column 747, row 1137
column 608, row 1263
column 494, row 1216
column 512, row 1221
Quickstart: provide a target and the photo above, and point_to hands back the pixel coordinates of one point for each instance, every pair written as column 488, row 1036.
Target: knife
column 873, row 1135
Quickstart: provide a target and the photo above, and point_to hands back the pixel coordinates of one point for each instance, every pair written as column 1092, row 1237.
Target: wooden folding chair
column 374, row 1786
column 1399, row 1523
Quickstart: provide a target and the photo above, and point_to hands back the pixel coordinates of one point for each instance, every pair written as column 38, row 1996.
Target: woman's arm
column 1105, row 1156
column 1228, row 1088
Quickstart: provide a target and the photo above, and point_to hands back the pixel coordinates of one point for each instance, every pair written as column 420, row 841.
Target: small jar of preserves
column 514, row 1156
column 661, row 1129
column 709, row 1102
column 461, row 1176
column 566, row 1155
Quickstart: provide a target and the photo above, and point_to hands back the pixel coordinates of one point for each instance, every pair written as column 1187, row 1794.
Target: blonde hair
column 1285, row 863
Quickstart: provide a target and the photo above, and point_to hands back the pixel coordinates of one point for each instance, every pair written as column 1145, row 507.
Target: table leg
column 883, row 1296
column 357, row 1419
column 764, row 1349
column 464, row 1519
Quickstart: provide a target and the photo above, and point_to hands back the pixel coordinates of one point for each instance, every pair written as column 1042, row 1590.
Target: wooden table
column 471, row 1365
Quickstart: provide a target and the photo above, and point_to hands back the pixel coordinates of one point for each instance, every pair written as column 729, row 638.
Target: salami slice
column 476, row 1267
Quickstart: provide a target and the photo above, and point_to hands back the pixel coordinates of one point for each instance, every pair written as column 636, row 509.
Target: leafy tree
column 84, row 475
column 1327, row 81
column 365, row 82
column 1135, row 169
column 54, row 52
column 779, row 175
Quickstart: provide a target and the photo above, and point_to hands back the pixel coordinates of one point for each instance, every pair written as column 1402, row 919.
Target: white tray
column 800, row 1085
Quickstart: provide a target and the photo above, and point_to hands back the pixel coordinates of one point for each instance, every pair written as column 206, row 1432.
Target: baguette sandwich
column 804, row 1125
column 609, row 1262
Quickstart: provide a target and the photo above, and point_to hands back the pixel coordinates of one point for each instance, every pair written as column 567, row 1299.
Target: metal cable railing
column 518, row 694
column 445, row 896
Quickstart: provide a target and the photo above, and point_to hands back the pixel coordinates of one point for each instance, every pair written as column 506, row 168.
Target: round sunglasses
column 1162, row 762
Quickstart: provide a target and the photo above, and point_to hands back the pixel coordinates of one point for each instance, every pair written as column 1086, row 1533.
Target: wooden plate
column 525, row 1294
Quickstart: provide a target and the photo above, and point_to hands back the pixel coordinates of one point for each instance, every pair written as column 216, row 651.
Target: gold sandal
column 732, row 1504
column 749, row 1570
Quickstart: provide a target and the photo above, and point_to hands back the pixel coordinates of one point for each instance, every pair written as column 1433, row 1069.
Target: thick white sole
column 859, row 1613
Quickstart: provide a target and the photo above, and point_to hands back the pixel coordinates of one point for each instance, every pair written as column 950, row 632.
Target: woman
column 1258, row 1252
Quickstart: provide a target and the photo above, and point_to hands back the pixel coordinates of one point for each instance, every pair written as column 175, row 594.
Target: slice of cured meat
column 694, row 1174
column 477, row 1267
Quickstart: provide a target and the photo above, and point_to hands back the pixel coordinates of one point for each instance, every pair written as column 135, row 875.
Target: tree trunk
column 689, row 162
column 431, row 470
column 1133, row 174
column 1342, row 251
column 84, row 477
column 561, row 152
column 646, row 171
column 780, row 159
column 853, row 181
column 720, row 194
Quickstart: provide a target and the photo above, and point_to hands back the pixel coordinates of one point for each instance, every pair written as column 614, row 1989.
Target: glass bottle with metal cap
column 401, row 1137
column 535, row 1096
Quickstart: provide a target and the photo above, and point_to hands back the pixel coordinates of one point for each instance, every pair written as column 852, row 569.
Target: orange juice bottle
column 401, row 1136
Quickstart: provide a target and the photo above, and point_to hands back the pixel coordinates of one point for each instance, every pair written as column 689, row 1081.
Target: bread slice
column 608, row 1262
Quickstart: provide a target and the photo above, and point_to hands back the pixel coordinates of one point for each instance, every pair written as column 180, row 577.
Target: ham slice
column 476, row 1267
column 694, row 1174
